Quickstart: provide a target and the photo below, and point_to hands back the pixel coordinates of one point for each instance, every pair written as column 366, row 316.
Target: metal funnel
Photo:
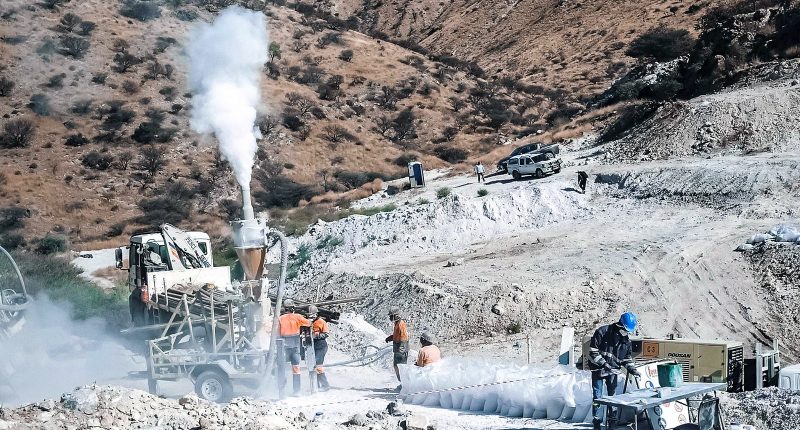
column 252, row 261
column 249, row 240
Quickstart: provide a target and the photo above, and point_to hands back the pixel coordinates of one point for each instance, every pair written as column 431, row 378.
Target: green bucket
column 670, row 375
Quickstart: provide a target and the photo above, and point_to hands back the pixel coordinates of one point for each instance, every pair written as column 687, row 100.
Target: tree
column 141, row 10
column 76, row 140
column 266, row 124
column 6, row 85
column 661, row 44
column 336, row 133
column 17, row 133
column 97, row 160
column 300, row 103
column 404, row 126
column 152, row 160
column 73, row 46
column 387, row 98
column 383, row 124
column 274, row 51
column 124, row 61
column 86, row 28
column 346, row 55
column 123, row 159
column 68, row 22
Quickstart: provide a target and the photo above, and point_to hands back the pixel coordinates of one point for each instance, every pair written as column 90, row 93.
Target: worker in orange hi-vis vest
column 399, row 339
column 319, row 330
column 429, row 353
column 290, row 323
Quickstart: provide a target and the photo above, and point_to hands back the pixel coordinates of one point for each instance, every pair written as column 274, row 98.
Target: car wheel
column 517, row 176
column 213, row 386
column 539, row 173
column 557, row 170
column 549, row 155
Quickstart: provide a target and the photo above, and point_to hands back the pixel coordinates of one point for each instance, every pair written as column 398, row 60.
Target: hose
column 365, row 360
column 5, row 306
column 272, row 353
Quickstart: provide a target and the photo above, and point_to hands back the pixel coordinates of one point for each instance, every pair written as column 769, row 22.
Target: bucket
column 670, row 375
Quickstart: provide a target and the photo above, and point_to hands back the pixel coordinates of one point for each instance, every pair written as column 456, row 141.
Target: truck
column 538, row 165
column 553, row 149
column 200, row 324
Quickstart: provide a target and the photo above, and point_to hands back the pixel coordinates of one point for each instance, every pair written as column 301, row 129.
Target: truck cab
column 147, row 259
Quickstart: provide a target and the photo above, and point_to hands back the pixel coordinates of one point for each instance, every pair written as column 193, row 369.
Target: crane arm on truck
column 182, row 249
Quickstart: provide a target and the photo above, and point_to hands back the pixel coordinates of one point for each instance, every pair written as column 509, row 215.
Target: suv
column 538, row 165
column 553, row 149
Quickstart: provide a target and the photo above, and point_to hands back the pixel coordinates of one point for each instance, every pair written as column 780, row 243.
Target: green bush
column 329, row 242
column 423, row 201
column 11, row 241
column 295, row 264
column 483, row 192
column 443, row 192
column 60, row 281
column 51, row 245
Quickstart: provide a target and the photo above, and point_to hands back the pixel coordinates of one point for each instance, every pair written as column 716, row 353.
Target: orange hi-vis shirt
column 319, row 326
column 400, row 333
column 290, row 324
column 427, row 355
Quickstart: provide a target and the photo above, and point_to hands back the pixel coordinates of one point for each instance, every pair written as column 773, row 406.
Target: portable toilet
column 789, row 378
column 416, row 176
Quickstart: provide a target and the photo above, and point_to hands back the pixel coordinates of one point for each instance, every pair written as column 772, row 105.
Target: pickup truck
column 538, row 165
column 553, row 149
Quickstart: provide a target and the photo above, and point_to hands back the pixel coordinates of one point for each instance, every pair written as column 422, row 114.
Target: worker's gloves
column 607, row 366
column 633, row 372
column 390, row 338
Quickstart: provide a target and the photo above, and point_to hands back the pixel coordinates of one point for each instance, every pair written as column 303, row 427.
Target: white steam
column 226, row 59
column 52, row 354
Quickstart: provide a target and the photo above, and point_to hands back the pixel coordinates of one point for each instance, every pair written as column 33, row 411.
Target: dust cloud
column 50, row 354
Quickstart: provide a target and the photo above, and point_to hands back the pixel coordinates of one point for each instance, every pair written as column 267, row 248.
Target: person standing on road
column 290, row 323
column 480, row 170
column 319, row 330
column 609, row 351
column 399, row 339
column 582, row 178
column 429, row 353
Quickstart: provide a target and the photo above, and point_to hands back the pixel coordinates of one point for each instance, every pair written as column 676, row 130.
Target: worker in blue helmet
column 610, row 352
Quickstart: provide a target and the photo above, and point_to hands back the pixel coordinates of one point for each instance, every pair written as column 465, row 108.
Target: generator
column 701, row 360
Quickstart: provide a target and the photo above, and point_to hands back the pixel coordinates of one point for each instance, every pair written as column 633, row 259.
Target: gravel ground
column 765, row 409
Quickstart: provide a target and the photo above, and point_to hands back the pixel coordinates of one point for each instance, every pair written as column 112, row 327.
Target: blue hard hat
column 628, row 321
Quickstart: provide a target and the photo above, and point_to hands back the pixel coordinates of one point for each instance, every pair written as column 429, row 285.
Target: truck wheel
column 517, row 176
column 213, row 386
column 557, row 171
column 539, row 173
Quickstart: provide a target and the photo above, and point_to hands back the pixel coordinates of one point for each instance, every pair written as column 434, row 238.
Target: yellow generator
column 701, row 360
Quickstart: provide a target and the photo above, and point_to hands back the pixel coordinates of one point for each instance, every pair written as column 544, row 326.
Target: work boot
column 322, row 381
column 296, row 385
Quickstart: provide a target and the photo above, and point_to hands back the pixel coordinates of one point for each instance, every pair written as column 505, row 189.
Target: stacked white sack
column 558, row 393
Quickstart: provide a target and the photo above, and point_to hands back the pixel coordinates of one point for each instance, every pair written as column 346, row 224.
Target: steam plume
column 225, row 62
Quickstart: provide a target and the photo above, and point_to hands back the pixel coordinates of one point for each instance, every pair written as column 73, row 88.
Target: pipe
column 15, row 307
column 16, row 269
column 247, row 204
column 273, row 340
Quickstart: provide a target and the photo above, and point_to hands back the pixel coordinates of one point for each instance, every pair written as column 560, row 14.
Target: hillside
column 574, row 46
column 340, row 109
column 109, row 150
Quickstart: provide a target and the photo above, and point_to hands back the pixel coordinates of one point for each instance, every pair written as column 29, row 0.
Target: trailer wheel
column 517, row 176
column 213, row 386
column 539, row 173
